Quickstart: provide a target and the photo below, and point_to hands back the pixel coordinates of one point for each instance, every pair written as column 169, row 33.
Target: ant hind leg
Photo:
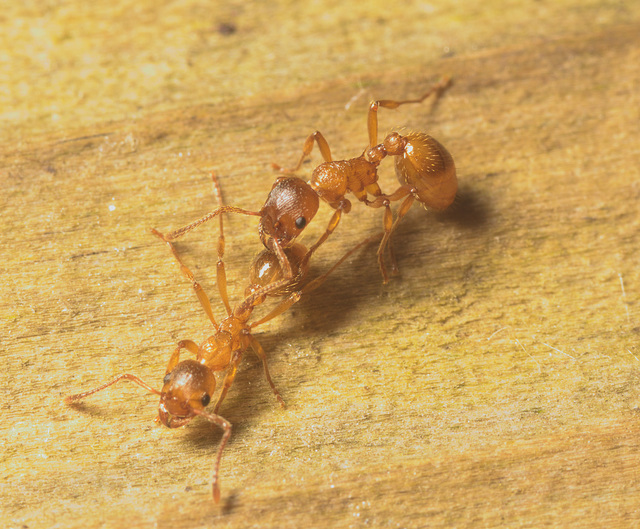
column 323, row 145
column 372, row 117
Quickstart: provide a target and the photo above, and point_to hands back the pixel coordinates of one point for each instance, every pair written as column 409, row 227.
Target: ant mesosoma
column 189, row 385
column 425, row 169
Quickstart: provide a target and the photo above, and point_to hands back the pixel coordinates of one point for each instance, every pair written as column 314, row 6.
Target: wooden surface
column 494, row 383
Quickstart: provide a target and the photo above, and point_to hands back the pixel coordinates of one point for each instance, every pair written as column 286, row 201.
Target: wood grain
column 493, row 383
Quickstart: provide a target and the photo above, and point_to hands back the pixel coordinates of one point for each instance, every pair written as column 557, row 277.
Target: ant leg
column 202, row 296
column 345, row 206
column 306, row 151
column 257, row 348
column 287, row 272
column 245, row 308
column 69, row 399
column 382, row 200
column 226, row 426
column 281, row 307
column 233, row 369
column 389, row 225
column 294, row 297
column 309, row 287
column 224, row 209
column 227, row 383
column 221, row 274
column 189, row 345
column 402, row 211
column 372, row 117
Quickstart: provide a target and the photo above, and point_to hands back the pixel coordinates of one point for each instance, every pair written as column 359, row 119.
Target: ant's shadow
column 470, row 210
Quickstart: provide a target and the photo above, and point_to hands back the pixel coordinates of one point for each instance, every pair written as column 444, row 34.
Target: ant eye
column 301, row 222
column 206, row 399
column 166, row 378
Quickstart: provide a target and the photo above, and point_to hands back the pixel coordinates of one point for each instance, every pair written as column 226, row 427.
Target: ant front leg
column 227, row 383
column 213, row 214
column 323, row 145
column 343, row 206
column 189, row 345
column 70, row 399
column 259, row 351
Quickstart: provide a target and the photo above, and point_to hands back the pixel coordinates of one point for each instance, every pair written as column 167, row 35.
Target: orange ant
column 189, row 385
column 425, row 169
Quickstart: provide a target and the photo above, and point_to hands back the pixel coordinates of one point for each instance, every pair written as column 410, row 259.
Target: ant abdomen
column 427, row 166
column 266, row 269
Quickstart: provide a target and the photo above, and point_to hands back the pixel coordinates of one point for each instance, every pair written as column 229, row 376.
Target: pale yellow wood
column 494, row 383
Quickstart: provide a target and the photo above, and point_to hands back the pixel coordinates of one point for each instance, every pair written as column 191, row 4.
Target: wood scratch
column 624, row 295
column 516, row 341
column 354, row 99
column 527, row 352
column 561, row 352
column 496, row 332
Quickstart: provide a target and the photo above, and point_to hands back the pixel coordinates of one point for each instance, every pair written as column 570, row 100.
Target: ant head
column 188, row 387
column 290, row 206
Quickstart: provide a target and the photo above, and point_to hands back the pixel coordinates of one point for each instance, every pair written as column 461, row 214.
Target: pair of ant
column 426, row 172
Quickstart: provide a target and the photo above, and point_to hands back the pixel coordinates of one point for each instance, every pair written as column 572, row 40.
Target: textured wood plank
column 494, row 383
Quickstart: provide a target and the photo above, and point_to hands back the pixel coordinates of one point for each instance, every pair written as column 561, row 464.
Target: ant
column 425, row 169
column 188, row 385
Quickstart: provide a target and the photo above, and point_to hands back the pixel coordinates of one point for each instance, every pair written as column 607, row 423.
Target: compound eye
column 205, row 399
column 166, row 378
column 301, row 222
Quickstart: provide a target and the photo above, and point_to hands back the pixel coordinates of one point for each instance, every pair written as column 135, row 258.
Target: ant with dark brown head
column 425, row 169
column 189, row 385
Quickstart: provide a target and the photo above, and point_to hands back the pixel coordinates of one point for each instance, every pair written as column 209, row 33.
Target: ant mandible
column 189, row 385
column 425, row 169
